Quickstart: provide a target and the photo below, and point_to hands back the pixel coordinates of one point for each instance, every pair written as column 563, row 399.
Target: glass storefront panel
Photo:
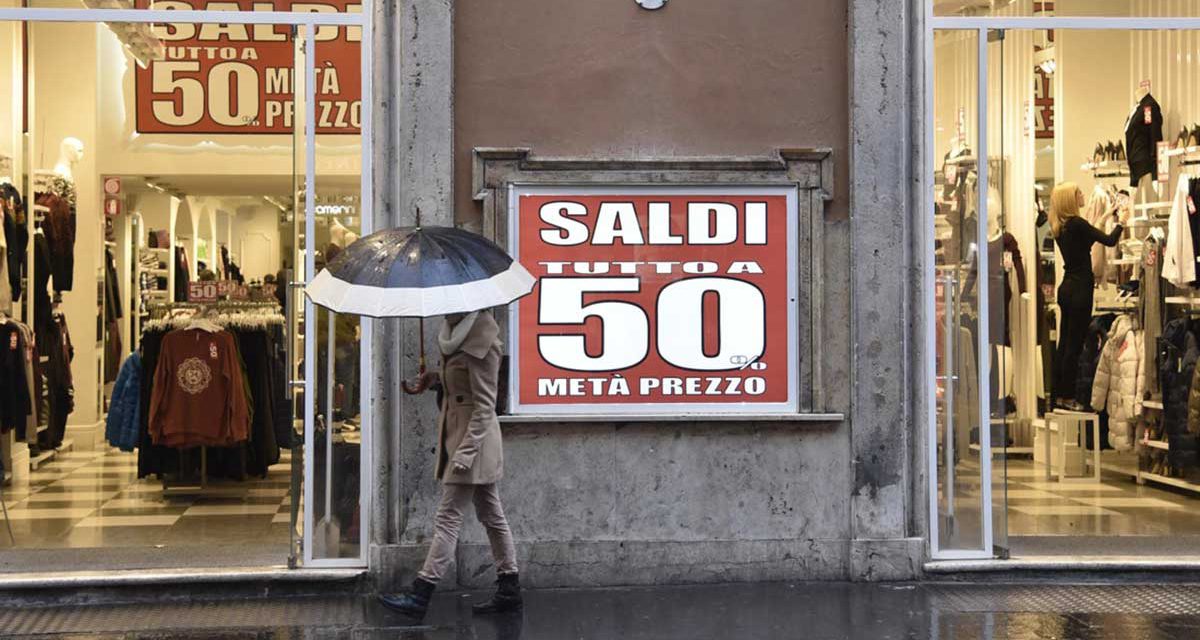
column 337, row 221
column 151, row 209
column 956, row 231
column 1067, row 8
column 1092, row 149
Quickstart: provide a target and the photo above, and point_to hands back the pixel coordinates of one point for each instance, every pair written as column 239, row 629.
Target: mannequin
column 340, row 235
column 70, row 152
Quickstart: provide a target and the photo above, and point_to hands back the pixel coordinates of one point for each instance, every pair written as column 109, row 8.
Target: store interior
column 1093, row 440
column 110, row 232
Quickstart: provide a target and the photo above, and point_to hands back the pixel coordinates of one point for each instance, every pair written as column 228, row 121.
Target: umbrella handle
column 413, row 387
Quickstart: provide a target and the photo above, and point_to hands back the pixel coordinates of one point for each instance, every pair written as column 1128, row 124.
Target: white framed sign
column 655, row 300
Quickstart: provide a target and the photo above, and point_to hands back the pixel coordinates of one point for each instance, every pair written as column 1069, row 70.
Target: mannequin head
column 70, row 152
column 995, row 210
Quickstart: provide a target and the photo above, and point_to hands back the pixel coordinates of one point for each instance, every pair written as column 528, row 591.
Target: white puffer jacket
column 1120, row 382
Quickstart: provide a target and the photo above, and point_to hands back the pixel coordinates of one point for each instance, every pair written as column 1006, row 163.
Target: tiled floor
column 94, row 499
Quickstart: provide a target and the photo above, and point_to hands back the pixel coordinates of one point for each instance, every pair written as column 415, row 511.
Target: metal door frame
column 981, row 27
column 310, row 21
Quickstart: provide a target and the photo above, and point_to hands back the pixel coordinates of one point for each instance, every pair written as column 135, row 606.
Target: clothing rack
column 225, row 313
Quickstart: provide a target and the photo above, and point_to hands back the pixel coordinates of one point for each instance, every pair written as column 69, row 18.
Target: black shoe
column 1110, row 151
column 507, row 597
column 415, row 603
column 1098, row 154
column 1120, row 151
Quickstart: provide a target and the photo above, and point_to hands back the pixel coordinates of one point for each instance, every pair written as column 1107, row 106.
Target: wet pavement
column 935, row 611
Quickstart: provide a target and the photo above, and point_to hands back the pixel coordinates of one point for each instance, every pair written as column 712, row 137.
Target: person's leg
column 1079, row 311
column 447, row 524
column 1064, row 388
column 491, row 515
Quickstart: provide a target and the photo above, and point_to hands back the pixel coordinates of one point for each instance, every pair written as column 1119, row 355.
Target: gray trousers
column 448, row 523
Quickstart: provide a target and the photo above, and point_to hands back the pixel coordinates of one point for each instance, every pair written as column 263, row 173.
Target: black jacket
column 1177, row 355
column 1089, row 358
column 1142, row 138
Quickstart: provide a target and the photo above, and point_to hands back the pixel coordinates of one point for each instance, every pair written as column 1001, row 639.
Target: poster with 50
column 655, row 300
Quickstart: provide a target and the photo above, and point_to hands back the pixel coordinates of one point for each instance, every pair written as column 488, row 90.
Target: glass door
column 960, row 508
column 329, row 219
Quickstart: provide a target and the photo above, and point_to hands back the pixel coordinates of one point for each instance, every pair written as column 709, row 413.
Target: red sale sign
column 655, row 300
column 240, row 78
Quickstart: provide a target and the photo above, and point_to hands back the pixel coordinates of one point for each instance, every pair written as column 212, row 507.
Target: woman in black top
column 1074, row 237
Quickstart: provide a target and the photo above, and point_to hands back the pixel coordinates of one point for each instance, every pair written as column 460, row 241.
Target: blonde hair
column 1064, row 205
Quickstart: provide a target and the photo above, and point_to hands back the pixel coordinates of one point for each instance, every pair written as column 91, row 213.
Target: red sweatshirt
column 198, row 397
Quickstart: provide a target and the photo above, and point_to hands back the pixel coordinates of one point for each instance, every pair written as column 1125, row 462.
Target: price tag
column 203, row 291
column 1147, row 115
column 1008, row 261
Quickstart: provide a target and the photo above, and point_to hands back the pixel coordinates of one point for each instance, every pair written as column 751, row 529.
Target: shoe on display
column 1120, row 152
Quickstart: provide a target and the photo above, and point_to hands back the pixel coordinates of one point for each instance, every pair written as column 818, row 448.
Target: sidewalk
column 808, row 611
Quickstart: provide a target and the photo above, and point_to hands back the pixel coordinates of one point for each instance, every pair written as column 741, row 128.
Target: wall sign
column 233, row 78
column 655, row 300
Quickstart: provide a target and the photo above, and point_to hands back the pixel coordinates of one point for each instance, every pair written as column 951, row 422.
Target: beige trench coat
column 468, row 430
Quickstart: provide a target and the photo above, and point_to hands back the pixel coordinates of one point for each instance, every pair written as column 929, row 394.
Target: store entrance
column 171, row 400
column 1068, row 154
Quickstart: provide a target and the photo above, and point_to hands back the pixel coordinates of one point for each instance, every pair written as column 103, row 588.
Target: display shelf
column 1146, row 476
column 1157, row 444
column 1151, row 404
column 1009, row 451
column 1146, row 206
column 1118, row 467
column 159, row 249
column 50, row 454
column 158, row 272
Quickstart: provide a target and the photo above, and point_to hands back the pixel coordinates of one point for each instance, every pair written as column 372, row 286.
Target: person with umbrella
column 470, row 461
column 438, row 271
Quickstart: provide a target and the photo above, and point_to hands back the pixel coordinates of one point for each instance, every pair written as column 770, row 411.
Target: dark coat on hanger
column 1089, row 358
column 1143, row 132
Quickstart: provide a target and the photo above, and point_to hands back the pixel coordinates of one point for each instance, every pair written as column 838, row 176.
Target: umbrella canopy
column 419, row 272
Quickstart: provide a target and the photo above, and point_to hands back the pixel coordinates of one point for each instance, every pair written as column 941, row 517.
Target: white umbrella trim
column 334, row 293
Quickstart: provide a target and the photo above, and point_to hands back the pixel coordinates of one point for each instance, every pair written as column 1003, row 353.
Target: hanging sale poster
column 655, row 300
column 234, row 78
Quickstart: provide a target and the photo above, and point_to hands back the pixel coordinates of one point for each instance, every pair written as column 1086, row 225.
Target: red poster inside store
column 646, row 300
column 230, row 78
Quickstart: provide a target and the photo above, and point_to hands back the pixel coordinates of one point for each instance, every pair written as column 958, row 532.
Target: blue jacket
column 121, row 427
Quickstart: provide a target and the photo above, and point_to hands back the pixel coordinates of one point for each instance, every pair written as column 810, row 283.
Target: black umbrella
column 419, row 272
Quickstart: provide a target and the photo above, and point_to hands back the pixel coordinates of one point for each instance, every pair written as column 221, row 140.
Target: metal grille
column 1121, row 599
column 245, row 614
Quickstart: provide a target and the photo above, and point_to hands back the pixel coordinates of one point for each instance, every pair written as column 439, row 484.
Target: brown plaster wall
column 606, row 78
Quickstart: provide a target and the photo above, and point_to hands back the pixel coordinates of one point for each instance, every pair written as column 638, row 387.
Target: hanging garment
column 16, row 237
column 1000, row 290
column 182, row 275
column 1176, row 369
column 1095, row 211
column 1152, row 311
column 56, row 345
column 59, row 227
column 199, row 391
column 32, row 377
column 1143, row 132
column 1120, row 383
column 14, row 389
column 112, row 316
column 1179, row 253
column 43, row 308
column 121, row 425
column 1089, row 358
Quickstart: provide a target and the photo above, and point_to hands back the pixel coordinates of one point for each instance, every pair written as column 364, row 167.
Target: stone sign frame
column 809, row 171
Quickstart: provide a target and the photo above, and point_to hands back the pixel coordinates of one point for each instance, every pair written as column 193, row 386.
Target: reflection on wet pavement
column 811, row 611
